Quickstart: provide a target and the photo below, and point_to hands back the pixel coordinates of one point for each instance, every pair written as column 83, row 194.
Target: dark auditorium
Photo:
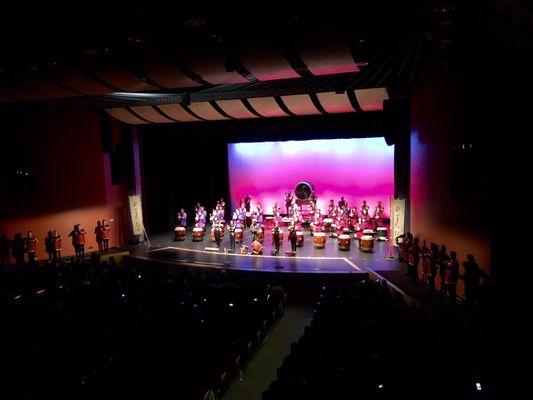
column 256, row 203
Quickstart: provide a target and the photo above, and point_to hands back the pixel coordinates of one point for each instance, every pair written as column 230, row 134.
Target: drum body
column 381, row 233
column 345, row 242
column 319, row 240
column 257, row 248
column 286, row 221
column 239, row 235
column 327, row 224
column 248, row 219
column 198, row 234
column 366, row 243
column 180, row 233
column 299, row 238
column 260, row 235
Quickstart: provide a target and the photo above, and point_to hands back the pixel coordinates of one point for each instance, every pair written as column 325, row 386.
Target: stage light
column 380, row 386
column 230, row 304
column 123, row 295
column 479, row 387
column 255, row 298
column 139, row 276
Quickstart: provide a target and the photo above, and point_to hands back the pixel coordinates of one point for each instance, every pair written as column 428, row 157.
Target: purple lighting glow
column 358, row 169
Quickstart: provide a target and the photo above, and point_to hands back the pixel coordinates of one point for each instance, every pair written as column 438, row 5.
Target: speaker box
column 397, row 119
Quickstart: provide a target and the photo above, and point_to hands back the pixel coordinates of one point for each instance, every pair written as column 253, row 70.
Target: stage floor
column 329, row 260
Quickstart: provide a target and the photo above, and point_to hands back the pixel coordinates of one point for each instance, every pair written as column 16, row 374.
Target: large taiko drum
column 239, row 235
column 197, row 234
column 366, row 243
column 260, row 235
column 269, row 221
column 327, row 224
column 299, row 238
column 248, row 219
column 344, row 242
column 179, row 233
column 381, row 233
column 319, row 240
column 257, row 248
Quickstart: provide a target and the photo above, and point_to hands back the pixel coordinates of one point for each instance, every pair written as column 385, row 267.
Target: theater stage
column 308, row 260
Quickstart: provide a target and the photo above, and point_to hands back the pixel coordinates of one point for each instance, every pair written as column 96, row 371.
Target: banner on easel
column 397, row 221
column 136, row 214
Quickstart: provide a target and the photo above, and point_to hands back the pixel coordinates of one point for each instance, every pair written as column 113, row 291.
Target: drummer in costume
column 276, row 210
column 31, row 247
column 247, row 202
column 292, row 236
column 451, row 273
column 57, row 243
column 414, row 260
column 331, row 208
column 217, row 231
column 342, row 203
column 49, row 245
column 99, row 236
column 231, row 229
column 364, row 212
column 288, row 202
column 78, row 241
column 378, row 213
column 276, row 237
column 106, row 235
column 254, row 228
column 182, row 218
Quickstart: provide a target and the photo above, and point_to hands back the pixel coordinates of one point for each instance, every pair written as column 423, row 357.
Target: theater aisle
column 262, row 369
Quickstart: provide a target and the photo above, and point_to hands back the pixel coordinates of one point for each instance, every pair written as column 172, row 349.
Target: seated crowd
column 83, row 328
column 364, row 342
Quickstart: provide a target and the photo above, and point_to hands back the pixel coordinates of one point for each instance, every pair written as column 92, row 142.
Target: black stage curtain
column 186, row 163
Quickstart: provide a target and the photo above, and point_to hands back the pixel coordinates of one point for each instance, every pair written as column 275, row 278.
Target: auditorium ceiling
column 149, row 65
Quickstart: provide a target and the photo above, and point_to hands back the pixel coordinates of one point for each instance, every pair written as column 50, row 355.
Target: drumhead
column 381, row 228
column 299, row 233
column 344, row 236
column 320, row 234
column 238, row 230
column 328, row 220
column 197, row 229
column 367, row 237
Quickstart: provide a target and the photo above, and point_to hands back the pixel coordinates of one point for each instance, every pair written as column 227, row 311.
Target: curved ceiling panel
column 166, row 73
column 177, row 112
column 327, row 57
column 210, row 67
column 206, row 111
column 267, row 107
column 300, row 104
column 75, row 79
column 235, row 109
column 40, row 84
column 371, row 99
column 151, row 114
column 267, row 64
column 335, row 103
column 124, row 115
column 120, row 77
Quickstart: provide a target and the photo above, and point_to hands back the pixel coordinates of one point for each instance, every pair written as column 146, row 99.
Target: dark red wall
column 70, row 174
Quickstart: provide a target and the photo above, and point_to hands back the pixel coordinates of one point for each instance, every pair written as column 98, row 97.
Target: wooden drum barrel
column 319, row 240
column 180, row 233
column 366, row 243
column 344, row 242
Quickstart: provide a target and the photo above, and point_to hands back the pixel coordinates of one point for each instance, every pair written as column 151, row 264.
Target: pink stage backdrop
column 358, row 169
